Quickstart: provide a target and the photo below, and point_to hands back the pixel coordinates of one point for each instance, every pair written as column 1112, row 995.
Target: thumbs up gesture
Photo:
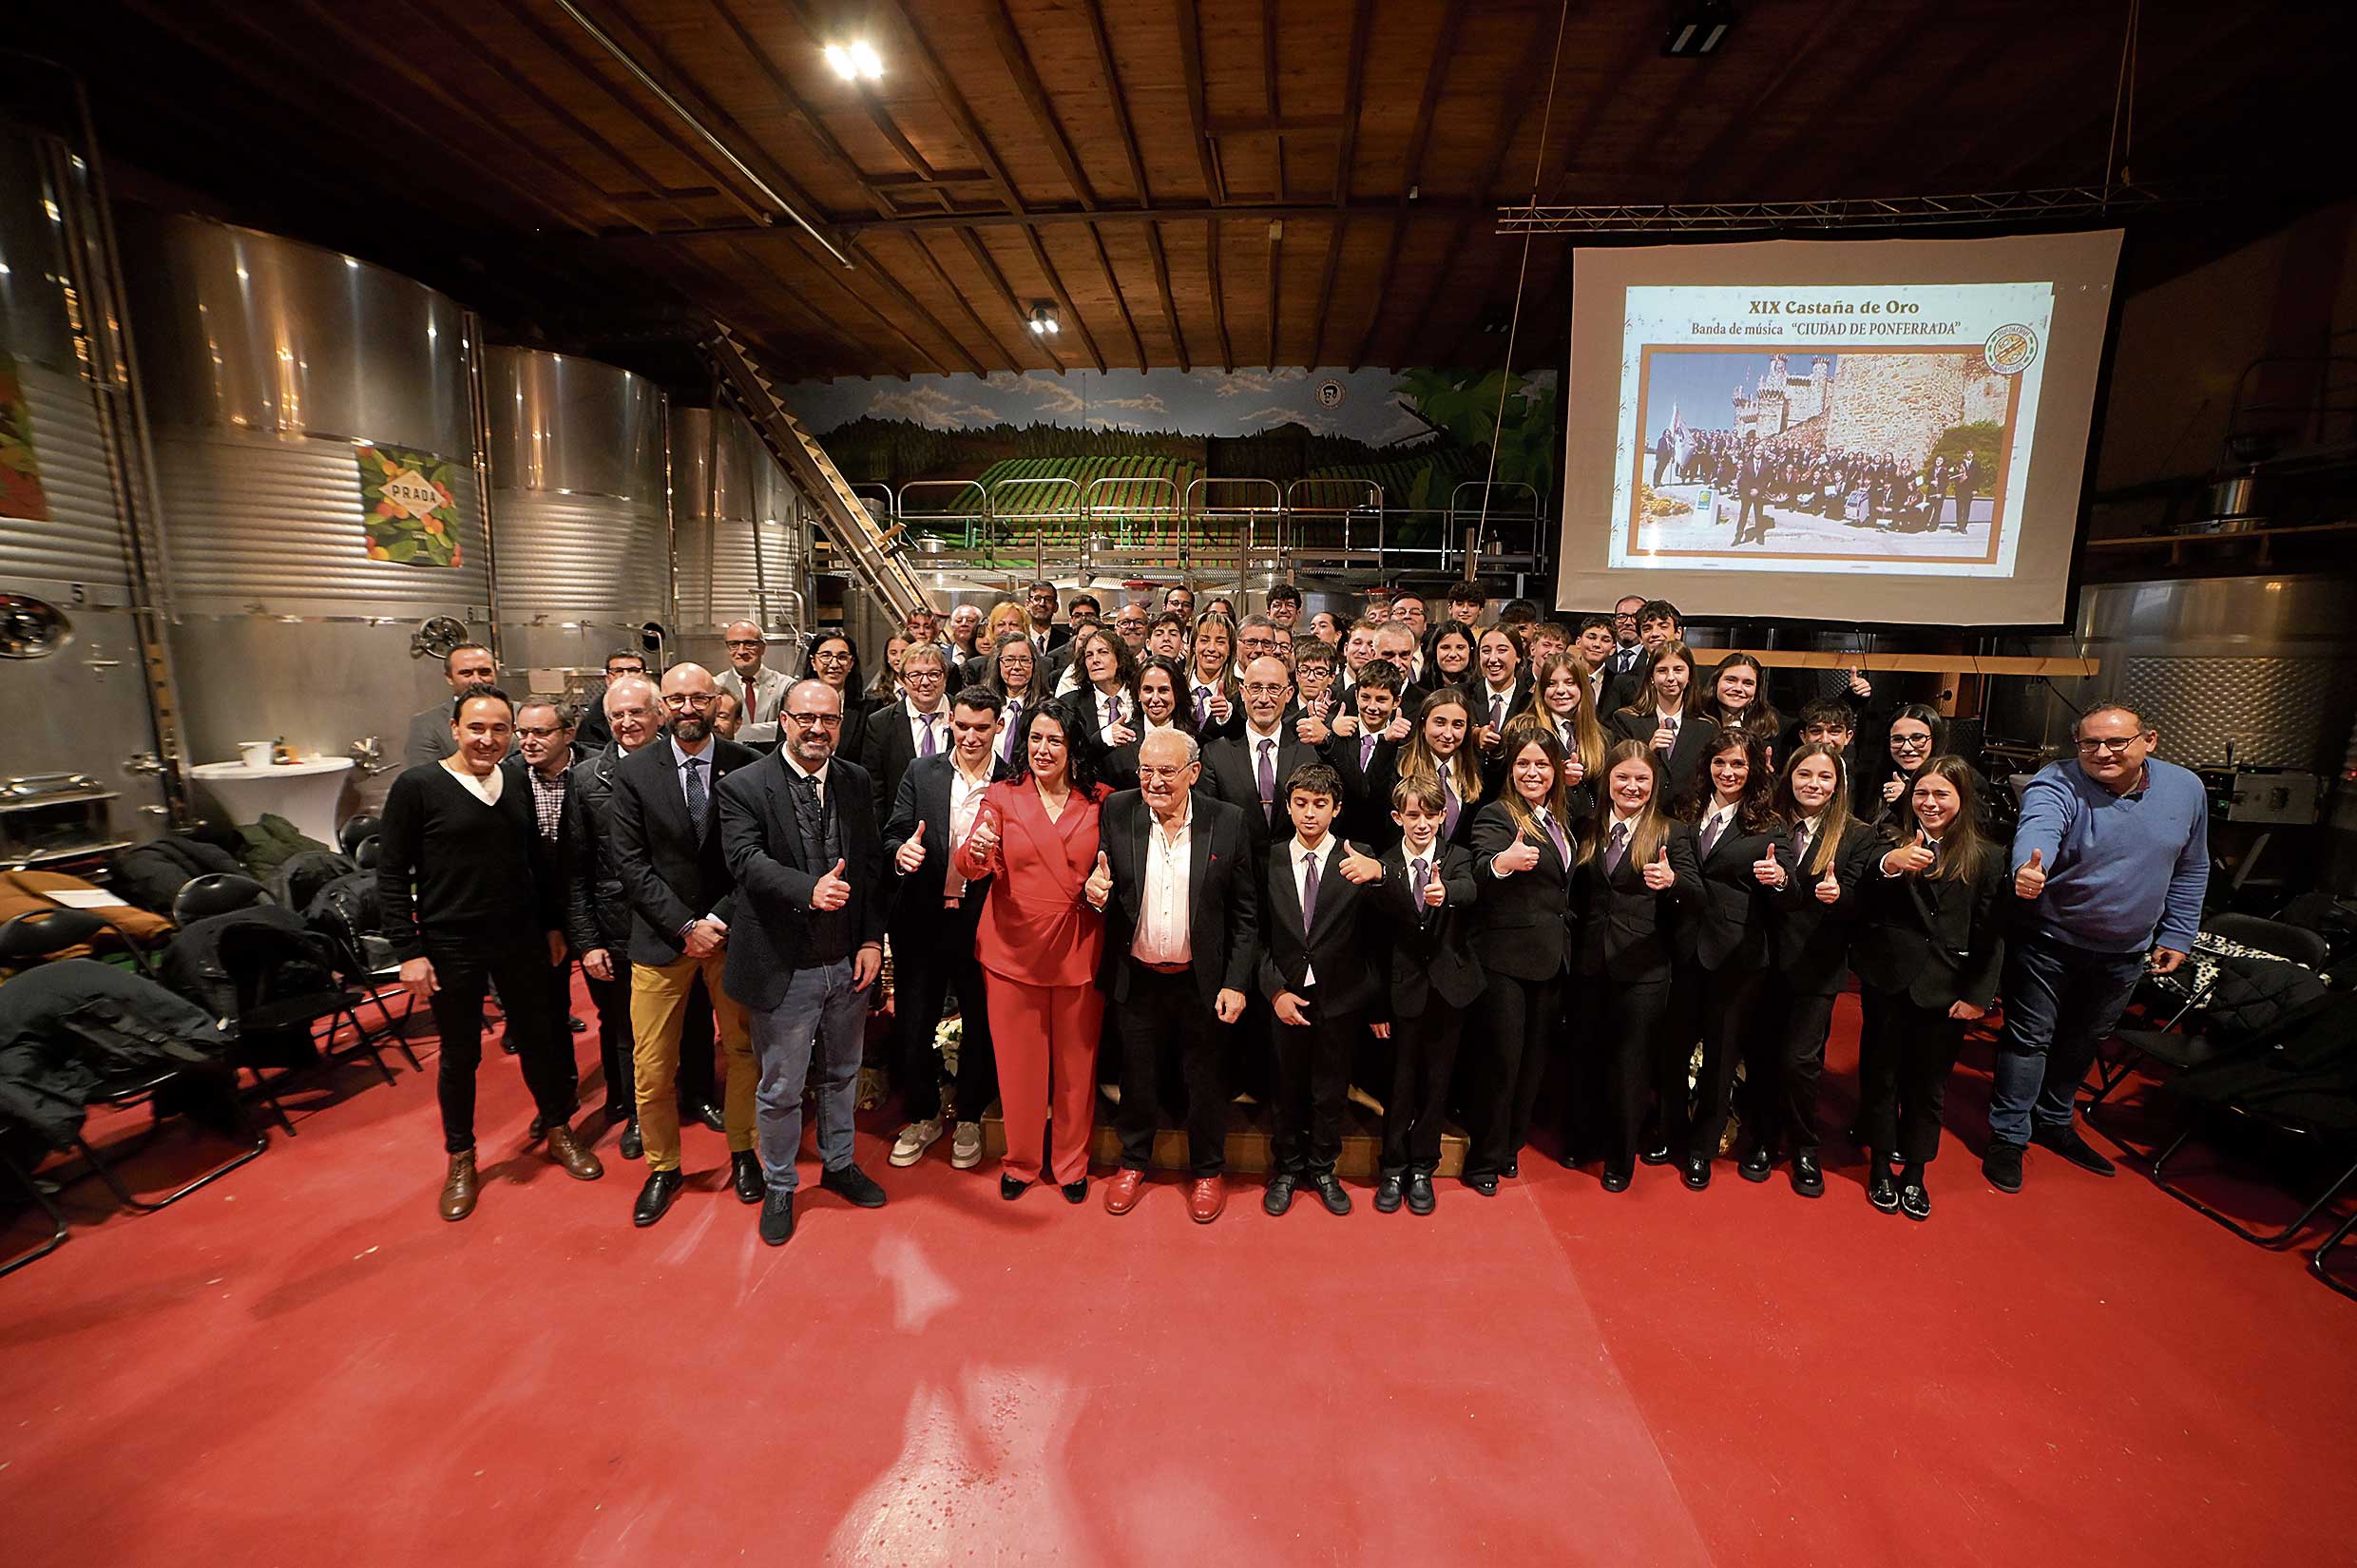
column 1658, row 873
column 1910, row 857
column 1767, row 870
column 831, row 892
column 1100, row 884
column 910, row 855
column 1434, row 893
column 1829, row 886
column 1521, row 856
column 2031, row 879
column 1893, row 786
column 1359, row 869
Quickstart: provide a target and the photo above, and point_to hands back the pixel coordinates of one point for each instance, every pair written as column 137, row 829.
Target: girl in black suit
column 1522, row 862
column 1735, row 697
column 1636, row 871
column 1440, row 747
column 1558, row 701
column 1663, row 719
column 1928, row 948
column 1159, row 707
column 1723, row 944
column 1451, row 663
column 1829, row 854
column 1916, row 735
column 1213, row 703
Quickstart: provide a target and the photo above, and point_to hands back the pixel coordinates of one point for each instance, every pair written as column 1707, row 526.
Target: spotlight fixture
column 855, row 60
column 1697, row 28
column 1043, row 321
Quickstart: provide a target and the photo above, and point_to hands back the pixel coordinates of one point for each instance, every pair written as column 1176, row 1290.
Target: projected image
column 1893, row 454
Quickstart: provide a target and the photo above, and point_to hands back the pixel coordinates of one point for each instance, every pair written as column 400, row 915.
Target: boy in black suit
column 1314, row 970
column 1363, row 750
column 1429, row 978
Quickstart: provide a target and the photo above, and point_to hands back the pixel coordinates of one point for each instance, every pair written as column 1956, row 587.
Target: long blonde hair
column 1653, row 823
column 1586, row 734
column 1832, row 821
column 1416, row 760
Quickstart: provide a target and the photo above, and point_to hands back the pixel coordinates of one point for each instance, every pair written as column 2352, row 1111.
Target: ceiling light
column 855, row 60
column 1697, row 28
column 1043, row 321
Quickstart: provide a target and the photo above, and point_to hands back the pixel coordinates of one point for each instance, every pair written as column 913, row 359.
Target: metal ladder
column 874, row 552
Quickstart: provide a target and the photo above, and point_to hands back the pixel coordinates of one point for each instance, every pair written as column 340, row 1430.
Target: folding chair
column 38, row 935
column 260, row 959
column 2182, row 1047
column 219, row 893
column 57, row 1217
column 104, row 1019
column 2316, row 1264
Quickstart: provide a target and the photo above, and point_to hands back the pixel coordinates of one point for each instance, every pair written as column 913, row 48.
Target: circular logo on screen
column 1330, row 394
column 2010, row 349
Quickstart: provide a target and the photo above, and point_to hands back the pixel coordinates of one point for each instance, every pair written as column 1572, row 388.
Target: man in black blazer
column 1429, row 976
column 1249, row 770
column 542, row 767
column 1321, row 982
column 1178, row 886
column 667, row 855
column 917, row 725
column 799, row 831
column 934, row 916
column 1046, row 636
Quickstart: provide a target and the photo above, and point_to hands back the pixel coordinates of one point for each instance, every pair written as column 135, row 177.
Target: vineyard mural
column 1036, row 440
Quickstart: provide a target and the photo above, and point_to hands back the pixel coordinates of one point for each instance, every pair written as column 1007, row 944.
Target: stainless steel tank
column 740, row 538
column 579, row 509
column 315, row 433
column 83, row 761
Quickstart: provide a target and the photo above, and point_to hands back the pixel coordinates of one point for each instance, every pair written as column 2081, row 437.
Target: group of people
column 1865, row 489
column 1431, row 861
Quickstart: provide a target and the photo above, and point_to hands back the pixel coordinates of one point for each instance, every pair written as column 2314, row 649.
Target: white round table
column 303, row 793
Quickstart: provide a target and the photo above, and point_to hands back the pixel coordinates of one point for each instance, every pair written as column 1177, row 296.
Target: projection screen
column 1868, row 431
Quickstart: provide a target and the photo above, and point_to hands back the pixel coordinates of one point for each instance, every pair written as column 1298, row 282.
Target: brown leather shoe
column 567, row 1150
column 1206, row 1198
column 1121, row 1192
column 458, row 1188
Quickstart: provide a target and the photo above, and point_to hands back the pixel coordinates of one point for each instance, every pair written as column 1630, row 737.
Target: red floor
column 304, row 1365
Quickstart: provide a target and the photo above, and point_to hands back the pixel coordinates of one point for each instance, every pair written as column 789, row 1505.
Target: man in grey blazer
column 757, row 688
column 467, row 665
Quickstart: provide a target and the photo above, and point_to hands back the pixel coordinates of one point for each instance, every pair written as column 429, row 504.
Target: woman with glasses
column 833, row 658
column 1011, row 669
column 1007, row 617
column 1917, row 734
column 1035, row 838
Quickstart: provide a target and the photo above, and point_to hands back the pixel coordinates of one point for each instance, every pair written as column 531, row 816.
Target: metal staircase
column 873, row 551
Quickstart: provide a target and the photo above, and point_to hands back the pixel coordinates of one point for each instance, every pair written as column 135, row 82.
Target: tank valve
column 368, row 755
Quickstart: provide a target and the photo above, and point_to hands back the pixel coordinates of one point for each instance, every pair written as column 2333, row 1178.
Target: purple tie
column 1308, row 892
column 1554, row 836
column 1800, row 845
column 1496, row 713
column 1202, row 706
column 1419, row 878
column 931, row 747
column 1448, row 817
column 1366, row 750
column 1268, row 782
column 1014, row 712
column 1113, row 710
column 1617, row 848
column 1710, row 832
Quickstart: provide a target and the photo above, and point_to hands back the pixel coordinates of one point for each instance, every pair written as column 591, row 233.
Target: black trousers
column 1514, row 1023
column 1752, row 507
column 1785, row 1062
column 699, row 1039
column 925, row 964
column 1905, row 1056
column 1313, row 1072
column 464, row 970
column 1164, row 1023
column 1641, row 1053
column 1726, row 1007
column 612, row 999
column 1423, row 1056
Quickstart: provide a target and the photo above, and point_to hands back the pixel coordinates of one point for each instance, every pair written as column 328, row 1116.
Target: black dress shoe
column 1330, row 1193
column 744, row 1174
column 576, row 1024
column 1698, row 1173
column 1485, row 1183
column 1914, row 1201
column 506, row 1043
column 1756, row 1165
column 710, row 1115
column 2067, row 1143
column 1616, row 1179
column 1882, row 1193
column 852, row 1183
column 778, row 1216
column 1658, row 1154
column 1513, row 1168
column 1420, row 1199
column 2002, row 1166
column 633, row 1146
column 1011, row 1189
column 655, row 1197
column 1279, row 1196
column 1808, row 1178
column 539, row 1127
column 1388, row 1194
column 1076, row 1192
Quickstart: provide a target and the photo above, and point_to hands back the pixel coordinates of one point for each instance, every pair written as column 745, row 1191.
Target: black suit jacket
column 1429, row 955
column 1624, row 929
column 1810, row 938
column 1336, row 945
column 886, row 749
column 597, row 905
column 1679, row 771
column 670, row 873
column 1366, row 792
column 1521, row 927
column 1620, row 690
column 1229, row 776
column 1222, row 892
column 917, row 914
column 775, row 871
column 1728, row 928
column 1937, row 941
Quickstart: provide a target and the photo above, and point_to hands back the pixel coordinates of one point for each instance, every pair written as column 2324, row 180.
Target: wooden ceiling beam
column 1165, row 212
column 1641, row 47
column 1198, row 120
column 1120, row 299
column 828, row 147
column 987, row 266
column 1354, row 80
column 1218, row 298
column 948, row 286
column 1170, row 300
column 1232, row 128
column 819, row 35
column 1276, row 246
column 834, row 277
column 1120, row 104
column 883, row 274
column 1435, row 75
column 1269, row 96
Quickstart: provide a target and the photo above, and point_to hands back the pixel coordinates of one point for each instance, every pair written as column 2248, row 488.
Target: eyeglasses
column 833, row 656
column 2116, row 747
column 816, row 721
column 1264, row 688
column 741, row 642
column 1910, row 742
column 541, row 734
column 675, row 700
column 1160, row 774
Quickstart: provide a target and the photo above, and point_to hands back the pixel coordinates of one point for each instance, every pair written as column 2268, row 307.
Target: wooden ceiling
column 1191, row 183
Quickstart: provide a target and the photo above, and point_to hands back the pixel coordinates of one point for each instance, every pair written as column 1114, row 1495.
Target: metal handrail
column 1157, row 514
column 902, row 514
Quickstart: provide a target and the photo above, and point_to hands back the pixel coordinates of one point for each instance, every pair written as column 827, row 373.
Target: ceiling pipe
column 606, row 42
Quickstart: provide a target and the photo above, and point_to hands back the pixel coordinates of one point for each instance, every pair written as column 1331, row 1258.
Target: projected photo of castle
column 1893, row 454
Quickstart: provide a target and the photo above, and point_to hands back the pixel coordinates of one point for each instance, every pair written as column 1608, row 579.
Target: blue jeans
column 2061, row 1002
column 820, row 1009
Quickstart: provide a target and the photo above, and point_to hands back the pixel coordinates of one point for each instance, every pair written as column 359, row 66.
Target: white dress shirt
column 939, row 722
column 1163, row 909
column 1303, row 877
column 965, row 790
column 1704, row 832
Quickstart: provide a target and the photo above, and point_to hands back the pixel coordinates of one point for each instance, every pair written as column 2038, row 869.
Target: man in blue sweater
column 2113, row 856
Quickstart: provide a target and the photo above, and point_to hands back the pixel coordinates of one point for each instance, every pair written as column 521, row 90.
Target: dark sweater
column 454, row 868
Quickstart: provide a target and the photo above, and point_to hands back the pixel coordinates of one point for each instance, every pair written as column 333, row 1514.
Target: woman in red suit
column 1036, row 838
